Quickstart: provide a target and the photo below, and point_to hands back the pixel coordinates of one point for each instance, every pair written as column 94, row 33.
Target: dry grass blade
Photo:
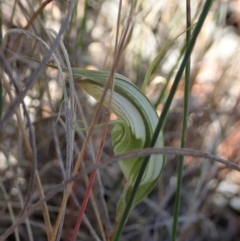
column 142, row 152
column 31, row 153
column 36, row 133
column 94, row 119
column 37, row 72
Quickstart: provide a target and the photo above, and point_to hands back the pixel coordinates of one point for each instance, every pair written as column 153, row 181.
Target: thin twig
column 31, row 148
column 112, row 160
column 32, row 79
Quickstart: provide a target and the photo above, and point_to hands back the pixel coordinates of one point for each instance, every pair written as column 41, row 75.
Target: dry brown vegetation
column 34, row 139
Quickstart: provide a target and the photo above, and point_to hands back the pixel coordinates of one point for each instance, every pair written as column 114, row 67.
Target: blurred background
column 210, row 206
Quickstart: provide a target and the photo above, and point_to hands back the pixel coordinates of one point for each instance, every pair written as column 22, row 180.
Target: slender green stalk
column 163, row 91
column 189, row 49
column 182, row 51
column 81, row 31
column 184, row 127
column 0, row 24
column 157, row 59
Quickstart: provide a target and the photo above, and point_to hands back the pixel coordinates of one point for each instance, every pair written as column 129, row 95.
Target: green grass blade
column 158, row 58
column 184, row 128
column 185, row 60
column 163, row 91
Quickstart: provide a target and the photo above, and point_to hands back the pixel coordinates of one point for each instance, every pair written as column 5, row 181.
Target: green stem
column 189, row 49
column 163, row 91
column 83, row 28
column 184, row 127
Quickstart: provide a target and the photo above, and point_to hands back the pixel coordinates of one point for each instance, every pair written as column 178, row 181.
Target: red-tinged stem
column 83, row 207
column 90, row 184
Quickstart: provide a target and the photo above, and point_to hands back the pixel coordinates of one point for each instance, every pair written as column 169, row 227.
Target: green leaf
column 134, row 130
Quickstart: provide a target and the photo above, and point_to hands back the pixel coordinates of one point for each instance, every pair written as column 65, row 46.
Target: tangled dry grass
column 35, row 138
